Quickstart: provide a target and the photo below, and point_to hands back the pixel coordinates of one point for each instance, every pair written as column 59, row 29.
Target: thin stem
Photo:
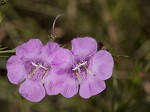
column 4, row 56
column 53, row 28
column 3, row 48
column 8, row 51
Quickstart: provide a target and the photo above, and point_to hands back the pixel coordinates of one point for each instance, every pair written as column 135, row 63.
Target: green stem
column 8, row 51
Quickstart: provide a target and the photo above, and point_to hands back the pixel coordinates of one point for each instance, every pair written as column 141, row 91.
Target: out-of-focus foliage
column 122, row 25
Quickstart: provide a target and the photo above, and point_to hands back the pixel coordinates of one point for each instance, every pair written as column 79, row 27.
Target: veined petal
column 102, row 64
column 69, row 87
column 84, row 48
column 29, row 49
column 53, row 83
column 32, row 91
column 48, row 50
column 90, row 87
column 63, row 59
column 16, row 71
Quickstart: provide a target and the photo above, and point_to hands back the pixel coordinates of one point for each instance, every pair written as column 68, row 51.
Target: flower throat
column 39, row 72
column 79, row 69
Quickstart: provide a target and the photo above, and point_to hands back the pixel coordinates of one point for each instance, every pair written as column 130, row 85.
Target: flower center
column 39, row 72
column 81, row 70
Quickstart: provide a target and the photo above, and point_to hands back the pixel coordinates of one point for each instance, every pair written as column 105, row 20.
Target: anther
column 39, row 65
column 34, row 64
column 43, row 67
column 79, row 65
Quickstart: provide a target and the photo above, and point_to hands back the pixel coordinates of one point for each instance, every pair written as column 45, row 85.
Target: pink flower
column 83, row 68
column 31, row 66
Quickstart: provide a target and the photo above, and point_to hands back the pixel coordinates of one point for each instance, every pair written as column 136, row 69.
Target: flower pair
column 52, row 69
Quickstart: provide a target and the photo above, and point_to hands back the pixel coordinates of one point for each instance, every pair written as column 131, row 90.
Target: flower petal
column 63, row 60
column 29, row 49
column 102, row 64
column 69, row 87
column 53, row 83
column 32, row 91
column 91, row 87
column 48, row 50
column 16, row 71
column 84, row 48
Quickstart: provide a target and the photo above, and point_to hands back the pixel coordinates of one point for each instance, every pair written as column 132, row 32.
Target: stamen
column 44, row 75
column 34, row 64
column 33, row 72
column 39, row 65
column 88, row 71
column 76, row 68
column 78, row 76
column 43, row 67
column 78, row 71
column 79, row 65
column 83, row 63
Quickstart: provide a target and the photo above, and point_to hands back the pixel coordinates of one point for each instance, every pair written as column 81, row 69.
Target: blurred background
column 123, row 26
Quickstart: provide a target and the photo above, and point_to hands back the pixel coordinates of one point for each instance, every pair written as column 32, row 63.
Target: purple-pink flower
column 41, row 69
column 82, row 69
column 32, row 67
